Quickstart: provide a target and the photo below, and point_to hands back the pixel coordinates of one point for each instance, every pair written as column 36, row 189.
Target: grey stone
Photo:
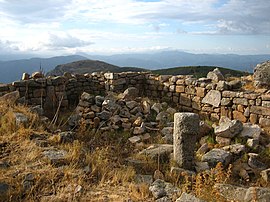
column 164, row 199
column 236, row 149
column 213, row 97
column 73, row 120
column 250, row 131
column 254, row 162
column 146, row 107
column 231, row 192
column 171, row 111
column 225, row 101
column 157, row 107
column 167, row 133
column 111, row 76
column 110, row 105
column 37, row 75
column 95, row 108
column 262, row 75
column 38, row 110
column 253, row 143
column 205, row 129
column 4, row 188
column 134, row 139
column 116, row 119
column 257, row 194
column 266, row 175
column 132, row 104
column 131, row 93
column 10, row 97
column 181, row 171
column 223, row 141
column 203, row 149
column 136, row 110
column 160, row 189
column 56, row 157
column 25, row 76
column 162, row 117
column 104, row 115
column 99, row 100
column 235, row 84
column 148, row 179
column 186, row 130
column 229, row 129
column 20, row 118
column 222, row 85
column 87, row 97
column 139, row 130
column 217, row 155
column 67, row 137
column 163, row 151
column 201, row 166
column 185, row 197
column 215, row 75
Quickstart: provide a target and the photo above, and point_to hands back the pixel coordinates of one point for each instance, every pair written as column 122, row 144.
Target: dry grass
column 94, row 160
column 95, row 168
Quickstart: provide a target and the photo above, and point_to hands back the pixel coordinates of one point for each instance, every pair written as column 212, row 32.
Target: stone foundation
column 210, row 100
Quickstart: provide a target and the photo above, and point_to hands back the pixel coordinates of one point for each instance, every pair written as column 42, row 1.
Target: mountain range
column 12, row 70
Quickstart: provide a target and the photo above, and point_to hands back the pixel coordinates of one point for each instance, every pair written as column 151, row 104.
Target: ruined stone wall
column 51, row 91
column 202, row 96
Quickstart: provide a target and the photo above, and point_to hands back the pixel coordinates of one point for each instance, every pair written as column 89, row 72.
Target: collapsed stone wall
column 209, row 98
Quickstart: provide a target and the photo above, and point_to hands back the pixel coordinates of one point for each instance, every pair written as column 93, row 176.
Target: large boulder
column 213, row 97
column 131, row 93
column 262, row 75
column 229, row 129
column 231, row 192
column 215, row 75
column 217, row 155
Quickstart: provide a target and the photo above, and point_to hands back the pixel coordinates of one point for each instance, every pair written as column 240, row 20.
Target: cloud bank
column 113, row 18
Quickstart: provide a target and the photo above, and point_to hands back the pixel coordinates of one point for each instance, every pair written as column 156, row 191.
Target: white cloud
column 65, row 41
column 73, row 25
column 25, row 11
column 235, row 16
column 8, row 46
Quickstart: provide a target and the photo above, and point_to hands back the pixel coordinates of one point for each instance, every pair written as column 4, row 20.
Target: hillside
column 13, row 70
column 168, row 59
column 198, row 71
column 89, row 66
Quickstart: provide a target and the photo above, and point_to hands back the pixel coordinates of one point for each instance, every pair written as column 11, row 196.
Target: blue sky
column 61, row 27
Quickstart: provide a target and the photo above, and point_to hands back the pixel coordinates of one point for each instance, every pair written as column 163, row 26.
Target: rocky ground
column 119, row 148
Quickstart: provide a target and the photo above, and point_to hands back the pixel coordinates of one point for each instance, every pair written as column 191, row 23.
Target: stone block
column 260, row 110
column 186, row 130
column 213, row 97
column 185, row 100
column 180, row 89
column 239, row 116
column 200, row 92
column 240, row 101
column 264, row 122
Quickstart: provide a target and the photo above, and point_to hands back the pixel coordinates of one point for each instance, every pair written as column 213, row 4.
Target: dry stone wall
column 210, row 99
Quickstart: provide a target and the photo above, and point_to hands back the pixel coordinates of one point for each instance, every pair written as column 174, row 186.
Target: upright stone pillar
column 186, row 130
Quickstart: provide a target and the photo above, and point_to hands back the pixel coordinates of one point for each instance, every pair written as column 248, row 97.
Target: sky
column 62, row 27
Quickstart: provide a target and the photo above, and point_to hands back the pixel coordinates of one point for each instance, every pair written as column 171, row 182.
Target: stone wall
column 50, row 91
column 209, row 99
